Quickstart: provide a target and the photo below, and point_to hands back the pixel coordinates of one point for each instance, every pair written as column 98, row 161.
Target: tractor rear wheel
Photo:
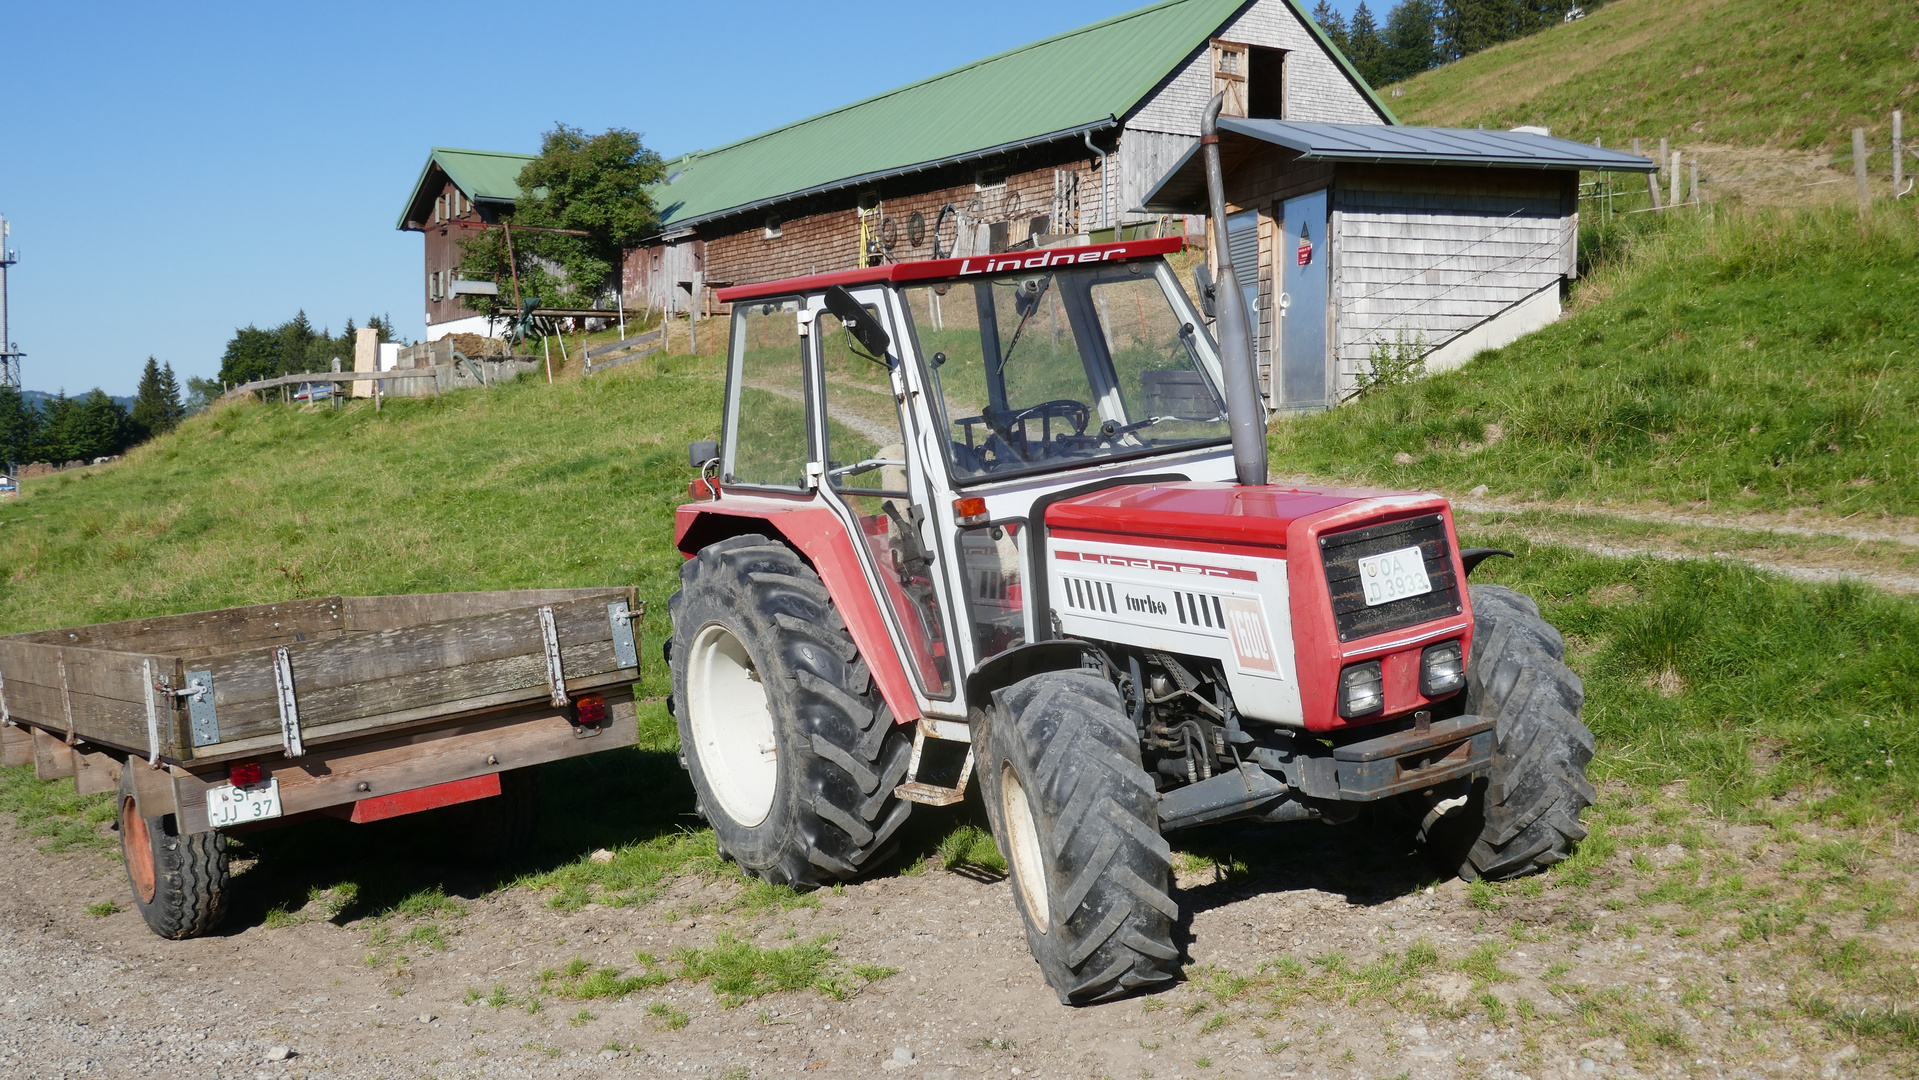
column 180, row 883
column 1524, row 816
column 1077, row 819
column 792, row 755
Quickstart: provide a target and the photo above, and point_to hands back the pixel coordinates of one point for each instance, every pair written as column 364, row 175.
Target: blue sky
column 172, row 172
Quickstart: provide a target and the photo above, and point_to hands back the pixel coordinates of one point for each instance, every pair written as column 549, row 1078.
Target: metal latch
column 202, row 720
column 555, row 674
column 619, row 618
column 289, row 708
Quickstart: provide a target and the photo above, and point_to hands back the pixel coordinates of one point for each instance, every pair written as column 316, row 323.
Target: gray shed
column 1354, row 241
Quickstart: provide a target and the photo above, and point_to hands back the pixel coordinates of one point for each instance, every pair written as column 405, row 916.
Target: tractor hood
column 1221, row 517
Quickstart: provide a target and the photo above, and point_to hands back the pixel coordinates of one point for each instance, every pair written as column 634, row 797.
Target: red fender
column 821, row 539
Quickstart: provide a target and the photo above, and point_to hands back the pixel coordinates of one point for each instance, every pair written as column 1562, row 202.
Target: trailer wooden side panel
column 357, row 663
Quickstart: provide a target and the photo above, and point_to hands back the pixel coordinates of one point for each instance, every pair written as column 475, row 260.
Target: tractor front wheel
column 1077, row 818
column 1524, row 816
column 793, row 757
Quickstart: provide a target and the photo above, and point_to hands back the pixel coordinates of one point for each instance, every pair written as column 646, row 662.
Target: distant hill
column 1783, row 73
column 39, row 398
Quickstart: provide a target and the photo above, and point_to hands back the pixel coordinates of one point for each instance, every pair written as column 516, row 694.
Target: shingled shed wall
column 1429, row 253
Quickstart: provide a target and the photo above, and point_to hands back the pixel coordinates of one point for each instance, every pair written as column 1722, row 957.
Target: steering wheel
column 1067, row 408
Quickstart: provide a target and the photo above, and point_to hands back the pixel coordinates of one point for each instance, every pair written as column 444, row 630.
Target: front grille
column 1341, row 553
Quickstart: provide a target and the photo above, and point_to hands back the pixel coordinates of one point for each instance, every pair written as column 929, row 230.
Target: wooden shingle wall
column 1427, row 253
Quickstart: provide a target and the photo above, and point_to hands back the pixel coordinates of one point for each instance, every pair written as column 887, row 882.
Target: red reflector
column 970, row 511
column 589, row 711
column 245, row 774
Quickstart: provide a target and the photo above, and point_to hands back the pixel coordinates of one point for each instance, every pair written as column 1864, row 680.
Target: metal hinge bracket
column 555, row 673
column 202, row 721
column 619, row 617
column 289, row 708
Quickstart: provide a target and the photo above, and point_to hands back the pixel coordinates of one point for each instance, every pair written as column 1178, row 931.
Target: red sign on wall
column 1305, row 247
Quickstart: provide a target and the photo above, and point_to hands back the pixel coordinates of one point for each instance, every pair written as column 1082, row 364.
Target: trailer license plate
column 228, row 805
column 1394, row 575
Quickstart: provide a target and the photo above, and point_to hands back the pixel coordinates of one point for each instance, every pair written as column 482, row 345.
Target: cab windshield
column 1056, row 367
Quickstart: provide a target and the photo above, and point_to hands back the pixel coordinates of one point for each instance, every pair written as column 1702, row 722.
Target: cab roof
column 930, row 269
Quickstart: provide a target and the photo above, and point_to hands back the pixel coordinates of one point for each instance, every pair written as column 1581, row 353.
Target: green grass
column 1741, row 683
column 1752, row 361
column 53, row 812
column 1793, row 73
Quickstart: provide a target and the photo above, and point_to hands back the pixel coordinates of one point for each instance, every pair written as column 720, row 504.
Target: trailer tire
column 179, row 883
column 792, row 754
column 1524, row 816
column 1077, row 820
column 498, row 828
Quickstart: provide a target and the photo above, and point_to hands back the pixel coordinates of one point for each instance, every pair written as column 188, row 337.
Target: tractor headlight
column 1361, row 690
column 1442, row 669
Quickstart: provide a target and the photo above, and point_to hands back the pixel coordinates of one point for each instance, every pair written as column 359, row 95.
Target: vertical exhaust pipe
column 1245, row 414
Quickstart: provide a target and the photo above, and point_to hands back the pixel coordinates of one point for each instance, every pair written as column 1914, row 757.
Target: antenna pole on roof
column 1245, row 413
column 9, row 354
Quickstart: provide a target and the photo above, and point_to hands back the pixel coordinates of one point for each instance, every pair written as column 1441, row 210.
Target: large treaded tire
column 1524, row 816
column 186, row 894
column 839, row 755
column 1060, row 773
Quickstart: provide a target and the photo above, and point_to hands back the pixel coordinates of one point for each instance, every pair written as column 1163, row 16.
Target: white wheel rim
column 1022, row 840
column 732, row 726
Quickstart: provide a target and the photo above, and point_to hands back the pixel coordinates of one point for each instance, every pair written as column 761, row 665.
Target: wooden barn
column 1057, row 139
column 1361, row 243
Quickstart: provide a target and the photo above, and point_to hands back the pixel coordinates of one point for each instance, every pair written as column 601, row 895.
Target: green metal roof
column 1080, row 80
column 489, row 175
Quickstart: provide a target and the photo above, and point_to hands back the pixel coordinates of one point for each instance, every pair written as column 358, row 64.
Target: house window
column 1229, row 76
column 772, row 227
column 1265, row 83
column 988, row 179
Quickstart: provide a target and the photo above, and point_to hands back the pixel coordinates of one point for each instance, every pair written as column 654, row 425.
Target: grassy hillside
column 1787, row 73
column 1752, row 361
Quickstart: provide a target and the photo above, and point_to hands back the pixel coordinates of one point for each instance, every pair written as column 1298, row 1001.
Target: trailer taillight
column 970, row 511
column 589, row 711
column 245, row 773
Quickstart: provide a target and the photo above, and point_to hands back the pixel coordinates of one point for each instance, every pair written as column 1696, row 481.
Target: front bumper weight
column 1414, row 759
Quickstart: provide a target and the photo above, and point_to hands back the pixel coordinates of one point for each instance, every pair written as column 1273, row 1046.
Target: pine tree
column 149, row 412
column 1335, row 27
column 1368, row 51
column 56, row 440
column 104, row 428
column 18, row 421
column 170, row 397
column 1412, row 40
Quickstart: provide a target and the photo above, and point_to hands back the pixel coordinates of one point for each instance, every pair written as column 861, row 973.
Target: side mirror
column 1203, row 283
column 699, row 453
column 865, row 328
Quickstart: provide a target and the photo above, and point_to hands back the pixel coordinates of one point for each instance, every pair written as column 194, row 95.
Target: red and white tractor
column 1008, row 515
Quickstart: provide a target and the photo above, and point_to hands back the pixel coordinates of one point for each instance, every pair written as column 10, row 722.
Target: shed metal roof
column 1081, row 80
column 481, row 175
column 1376, row 144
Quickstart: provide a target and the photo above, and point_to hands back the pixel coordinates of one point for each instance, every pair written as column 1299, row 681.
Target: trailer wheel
column 1077, row 818
column 499, row 828
column 179, row 882
column 1524, row 817
column 792, row 755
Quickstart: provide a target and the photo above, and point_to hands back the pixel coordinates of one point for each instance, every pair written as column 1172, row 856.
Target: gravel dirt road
column 1674, row 946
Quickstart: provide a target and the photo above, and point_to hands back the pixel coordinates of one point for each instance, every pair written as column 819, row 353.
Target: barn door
column 1301, row 251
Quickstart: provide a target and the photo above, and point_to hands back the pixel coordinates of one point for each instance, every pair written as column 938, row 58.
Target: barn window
column 772, row 227
column 1265, row 83
column 988, row 179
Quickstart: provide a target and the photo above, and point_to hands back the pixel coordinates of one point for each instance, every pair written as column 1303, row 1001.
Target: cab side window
column 768, row 440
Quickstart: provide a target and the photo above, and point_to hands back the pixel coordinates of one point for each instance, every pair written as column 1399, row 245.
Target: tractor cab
column 928, row 407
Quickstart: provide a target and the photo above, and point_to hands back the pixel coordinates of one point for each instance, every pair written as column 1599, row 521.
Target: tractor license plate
column 228, row 805
column 1394, row 575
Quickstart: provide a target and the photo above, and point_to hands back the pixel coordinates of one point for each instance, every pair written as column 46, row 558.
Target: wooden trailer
column 361, row 707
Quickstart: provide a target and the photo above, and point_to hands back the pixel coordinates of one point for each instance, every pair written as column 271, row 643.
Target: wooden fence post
column 1665, row 152
column 1859, row 166
column 1673, row 178
column 1692, row 181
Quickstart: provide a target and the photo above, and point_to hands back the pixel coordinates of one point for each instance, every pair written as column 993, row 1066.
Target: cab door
column 871, row 472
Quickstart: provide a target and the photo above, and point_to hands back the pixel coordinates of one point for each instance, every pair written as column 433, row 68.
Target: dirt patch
column 1670, row 945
